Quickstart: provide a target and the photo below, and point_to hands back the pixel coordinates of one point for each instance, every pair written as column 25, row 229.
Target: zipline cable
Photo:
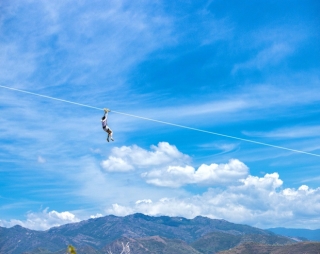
column 163, row 122
column 48, row 97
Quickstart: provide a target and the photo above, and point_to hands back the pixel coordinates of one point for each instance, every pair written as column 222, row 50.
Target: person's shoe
column 112, row 139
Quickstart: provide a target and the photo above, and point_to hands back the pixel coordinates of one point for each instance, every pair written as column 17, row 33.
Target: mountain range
column 147, row 234
column 312, row 235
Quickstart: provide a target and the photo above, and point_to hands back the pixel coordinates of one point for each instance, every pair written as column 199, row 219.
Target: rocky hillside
column 145, row 234
column 256, row 248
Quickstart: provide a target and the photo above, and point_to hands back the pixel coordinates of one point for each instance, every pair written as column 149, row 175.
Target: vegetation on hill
column 141, row 233
column 256, row 248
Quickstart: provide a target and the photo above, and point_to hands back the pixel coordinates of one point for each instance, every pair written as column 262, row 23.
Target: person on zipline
column 105, row 126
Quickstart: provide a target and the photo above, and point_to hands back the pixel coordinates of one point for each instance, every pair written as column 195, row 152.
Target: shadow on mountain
column 143, row 234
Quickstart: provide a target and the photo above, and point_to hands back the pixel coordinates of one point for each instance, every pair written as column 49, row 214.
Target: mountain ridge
column 310, row 234
column 146, row 234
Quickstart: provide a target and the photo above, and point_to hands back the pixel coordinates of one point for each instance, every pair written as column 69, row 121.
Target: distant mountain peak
column 145, row 234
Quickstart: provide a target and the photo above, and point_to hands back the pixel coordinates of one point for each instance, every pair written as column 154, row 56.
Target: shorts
column 107, row 129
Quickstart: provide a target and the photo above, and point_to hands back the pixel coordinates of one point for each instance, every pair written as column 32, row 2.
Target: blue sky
column 240, row 68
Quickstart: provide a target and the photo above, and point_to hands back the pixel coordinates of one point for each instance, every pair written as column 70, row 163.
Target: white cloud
column 146, row 201
column 98, row 215
column 257, row 201
column 116, row 164
column 120, row 210
column 128, row 158
column 268, row 182
column 43, row 220
column 176, row 176
column 167, row 166
column 96, row 188
column 165, row 206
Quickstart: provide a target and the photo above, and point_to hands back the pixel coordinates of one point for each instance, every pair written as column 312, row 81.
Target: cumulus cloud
column 166, row 166
column 258, row 201
column 120, row 210
column 98, row 215
column 42, row 220
column 176, row 176
column 268, row 182
column 127, row 158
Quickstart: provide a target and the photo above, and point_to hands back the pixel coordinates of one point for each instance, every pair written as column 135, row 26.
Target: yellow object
column 71, row 250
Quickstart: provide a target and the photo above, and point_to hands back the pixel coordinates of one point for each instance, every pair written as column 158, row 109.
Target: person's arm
column 106, row 111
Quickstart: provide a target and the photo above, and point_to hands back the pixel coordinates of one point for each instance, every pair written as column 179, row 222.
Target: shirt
column 104, row 122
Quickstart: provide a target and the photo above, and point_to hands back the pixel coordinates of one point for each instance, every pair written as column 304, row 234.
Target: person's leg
column 106, row 129
column 111, row 133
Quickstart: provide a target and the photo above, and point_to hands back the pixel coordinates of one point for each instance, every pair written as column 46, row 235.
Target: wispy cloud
column 269, row 56
column 272, row 46
column 41, row 159
column 69, row 46
column 247, row 104
column 13, row 57
column 292, row 132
